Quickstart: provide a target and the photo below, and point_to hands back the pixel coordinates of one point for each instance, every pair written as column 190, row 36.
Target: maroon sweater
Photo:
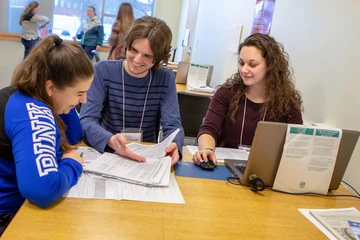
column 227, row 133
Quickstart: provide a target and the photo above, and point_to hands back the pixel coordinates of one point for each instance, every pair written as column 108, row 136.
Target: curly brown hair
column 280, row 93
column 158, row 34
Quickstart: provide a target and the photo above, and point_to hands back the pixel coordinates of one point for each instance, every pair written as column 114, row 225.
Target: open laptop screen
column 267, row 148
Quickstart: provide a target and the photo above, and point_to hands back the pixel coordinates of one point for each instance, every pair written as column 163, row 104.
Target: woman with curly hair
column 262, row 90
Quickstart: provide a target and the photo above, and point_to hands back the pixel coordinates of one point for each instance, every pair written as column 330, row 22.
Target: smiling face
column 252, row 66
column 139, row 58
column 66, row 99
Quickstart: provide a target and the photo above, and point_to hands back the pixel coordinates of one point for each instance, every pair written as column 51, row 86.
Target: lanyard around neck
column 147, row 92
column 243, row 120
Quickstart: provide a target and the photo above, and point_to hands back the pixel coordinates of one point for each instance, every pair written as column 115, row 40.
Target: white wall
column 213, row 33
column 181, row 29
column 322, row 39
column 169, row 11
column 12, row 54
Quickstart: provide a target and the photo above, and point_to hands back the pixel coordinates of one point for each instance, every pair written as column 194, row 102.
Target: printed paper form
column 197, row 75
column 152, row 152
column 222, row 153
column 309, row 153
column 88, row 187
column 156, row 170
column 89, row 154
column 338, row 220
column 118, row 167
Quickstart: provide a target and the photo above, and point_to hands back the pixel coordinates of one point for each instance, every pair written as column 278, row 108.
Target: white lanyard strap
column 147, row 93
column 243, row 120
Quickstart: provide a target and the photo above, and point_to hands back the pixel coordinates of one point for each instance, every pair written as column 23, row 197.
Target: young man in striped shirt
column 134, row 96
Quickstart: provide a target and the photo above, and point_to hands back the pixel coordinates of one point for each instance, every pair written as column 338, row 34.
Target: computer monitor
column 182, row 72
column 267, row 149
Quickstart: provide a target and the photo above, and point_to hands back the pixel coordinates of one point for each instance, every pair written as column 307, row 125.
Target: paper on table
column 155, row 172
column 152, row 152
column 337, row 220
column 355, row 227
column 201, row 89
column 89, row 154
column 222, row 153
column 118, row 167
column 89, row 187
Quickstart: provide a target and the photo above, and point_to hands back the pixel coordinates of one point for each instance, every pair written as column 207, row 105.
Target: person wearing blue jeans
column 91, row 33
column 31, row 24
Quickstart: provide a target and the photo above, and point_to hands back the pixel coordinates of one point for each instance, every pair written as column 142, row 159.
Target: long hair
column 280, row 93
column 28, row 11
column 158, row 34
column 125, row 17
column 65, row 63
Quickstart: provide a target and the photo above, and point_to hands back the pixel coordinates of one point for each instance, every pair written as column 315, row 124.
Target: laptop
column 182, row 72
column 267, row 148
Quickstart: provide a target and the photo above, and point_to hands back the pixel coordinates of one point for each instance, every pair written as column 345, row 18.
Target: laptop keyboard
column 240, row 166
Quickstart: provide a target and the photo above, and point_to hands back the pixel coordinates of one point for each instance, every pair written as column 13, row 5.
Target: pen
column 81, row 154
column 202, row 86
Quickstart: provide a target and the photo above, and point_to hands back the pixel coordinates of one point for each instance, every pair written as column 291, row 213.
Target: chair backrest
column 193, row 108
column 96, row 54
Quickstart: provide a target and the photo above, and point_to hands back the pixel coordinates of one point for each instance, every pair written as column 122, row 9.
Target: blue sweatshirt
column 34, row 170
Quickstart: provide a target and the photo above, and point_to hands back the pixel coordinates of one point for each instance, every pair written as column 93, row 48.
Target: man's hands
column 118, row 143
column 173, row 152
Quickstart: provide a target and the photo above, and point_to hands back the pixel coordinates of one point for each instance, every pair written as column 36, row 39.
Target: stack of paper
column 201, row 88
column 154, row 172
column 109, row 165
column 90, row 187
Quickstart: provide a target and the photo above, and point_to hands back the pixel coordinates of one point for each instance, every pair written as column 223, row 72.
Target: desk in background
column 183, row 88
column 171, row 66
column 213, row 210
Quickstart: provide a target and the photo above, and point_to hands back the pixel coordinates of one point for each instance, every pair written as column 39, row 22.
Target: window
column 16, row 8
column 67, row 20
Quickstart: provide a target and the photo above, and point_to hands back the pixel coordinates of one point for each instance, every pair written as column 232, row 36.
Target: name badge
column 132, row 134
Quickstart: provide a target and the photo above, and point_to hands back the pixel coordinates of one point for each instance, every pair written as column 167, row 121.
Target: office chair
column 193, row 108
column 65, row 33
column 96, row 54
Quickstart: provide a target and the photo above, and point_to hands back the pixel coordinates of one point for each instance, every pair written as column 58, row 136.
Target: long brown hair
column 125, row 17
column 280, row 93
column 65, row 63
column 28, row 10
column 158, row 34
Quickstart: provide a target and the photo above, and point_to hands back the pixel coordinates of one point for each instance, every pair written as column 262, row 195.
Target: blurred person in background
column 122, row 24
column 31, row 24
column 91, row 33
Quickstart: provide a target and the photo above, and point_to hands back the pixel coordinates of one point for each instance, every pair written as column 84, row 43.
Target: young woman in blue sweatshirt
column 38, row 123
